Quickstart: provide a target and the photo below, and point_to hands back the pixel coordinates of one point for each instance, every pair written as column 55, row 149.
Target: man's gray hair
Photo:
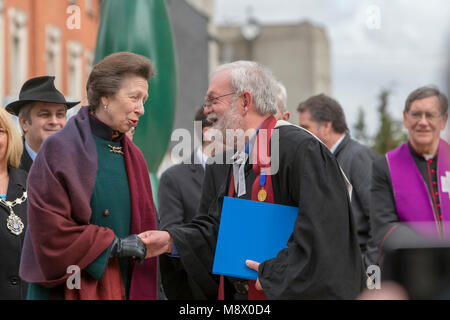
column 259, row 81
column 282, row 97
column 426, row 92
column 25, row 111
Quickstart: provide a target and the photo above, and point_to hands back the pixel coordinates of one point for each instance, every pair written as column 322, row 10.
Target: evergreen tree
column 390, row 134
column 359, row 129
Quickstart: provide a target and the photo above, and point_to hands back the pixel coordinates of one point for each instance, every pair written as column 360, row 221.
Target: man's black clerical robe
column 322, row 259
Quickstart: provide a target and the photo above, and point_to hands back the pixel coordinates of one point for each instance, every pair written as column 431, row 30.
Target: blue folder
column 251, row 230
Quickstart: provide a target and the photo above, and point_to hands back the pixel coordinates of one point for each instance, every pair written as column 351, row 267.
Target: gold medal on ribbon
column 262, row 195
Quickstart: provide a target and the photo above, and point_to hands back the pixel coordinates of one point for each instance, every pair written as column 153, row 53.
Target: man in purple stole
column 410, row 192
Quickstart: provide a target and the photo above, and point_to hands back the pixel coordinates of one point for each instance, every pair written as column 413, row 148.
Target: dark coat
column 179, row 193
column 11, row 286
column 25, row 160
column 178, row 198
column 322, row 259
column 356, row 161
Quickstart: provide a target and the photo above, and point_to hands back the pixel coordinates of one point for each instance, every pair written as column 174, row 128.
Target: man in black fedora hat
column 41, row 110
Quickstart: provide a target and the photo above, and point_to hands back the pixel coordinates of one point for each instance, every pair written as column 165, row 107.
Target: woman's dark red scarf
column 261, row 161
column 60, row 185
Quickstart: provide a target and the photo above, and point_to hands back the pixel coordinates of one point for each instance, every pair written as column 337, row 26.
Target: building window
column 53, row 53
column 89, row 62
column 18, row 47
column 75, row 66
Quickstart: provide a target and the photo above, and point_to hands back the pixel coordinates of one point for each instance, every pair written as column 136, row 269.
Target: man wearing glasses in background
column 412, row 183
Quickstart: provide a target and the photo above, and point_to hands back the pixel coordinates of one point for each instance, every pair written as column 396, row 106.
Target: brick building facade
column 47, row 37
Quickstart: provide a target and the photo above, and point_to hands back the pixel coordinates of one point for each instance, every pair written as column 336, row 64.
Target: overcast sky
column 407, row 47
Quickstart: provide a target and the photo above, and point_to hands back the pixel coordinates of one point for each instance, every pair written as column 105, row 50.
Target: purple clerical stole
column 412, row 199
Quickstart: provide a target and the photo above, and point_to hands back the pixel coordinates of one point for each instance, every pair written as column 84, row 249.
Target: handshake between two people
column 143, row 246
column 157, row 242
column 160, row 242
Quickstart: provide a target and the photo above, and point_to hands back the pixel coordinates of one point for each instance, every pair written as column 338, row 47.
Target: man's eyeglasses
column 430, row 116
column 209, row 101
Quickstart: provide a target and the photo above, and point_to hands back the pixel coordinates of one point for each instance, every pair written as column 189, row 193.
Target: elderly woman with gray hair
column 90, row 196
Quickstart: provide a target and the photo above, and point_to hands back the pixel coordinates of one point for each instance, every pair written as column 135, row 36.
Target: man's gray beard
column 233, row 123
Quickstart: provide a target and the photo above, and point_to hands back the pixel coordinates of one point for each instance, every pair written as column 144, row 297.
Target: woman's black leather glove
column 131, row 246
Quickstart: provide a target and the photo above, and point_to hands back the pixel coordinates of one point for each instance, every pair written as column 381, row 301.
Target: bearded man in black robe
column 322, row 259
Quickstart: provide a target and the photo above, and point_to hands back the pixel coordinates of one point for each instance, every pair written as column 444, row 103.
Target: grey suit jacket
column 179, row 193
column 178, row 198
column 356, row 161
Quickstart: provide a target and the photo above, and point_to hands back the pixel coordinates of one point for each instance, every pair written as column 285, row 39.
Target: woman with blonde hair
column 13, row 209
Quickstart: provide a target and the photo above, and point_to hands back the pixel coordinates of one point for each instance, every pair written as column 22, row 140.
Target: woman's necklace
column 14, row 223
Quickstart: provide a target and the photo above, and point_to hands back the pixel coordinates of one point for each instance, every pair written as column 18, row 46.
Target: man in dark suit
column 41, row 109
column 324, row 117
column 178, row 198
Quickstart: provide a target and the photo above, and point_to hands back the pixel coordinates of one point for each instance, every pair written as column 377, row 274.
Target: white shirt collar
column 336, row 145
column 203, row 157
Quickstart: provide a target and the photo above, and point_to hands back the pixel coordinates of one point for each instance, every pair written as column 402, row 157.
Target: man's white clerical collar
column 428, row 156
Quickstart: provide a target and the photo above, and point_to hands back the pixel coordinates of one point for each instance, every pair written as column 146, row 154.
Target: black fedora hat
column 38, row 89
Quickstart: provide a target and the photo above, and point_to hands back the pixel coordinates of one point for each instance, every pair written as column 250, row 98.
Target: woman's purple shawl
column 60, row 186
